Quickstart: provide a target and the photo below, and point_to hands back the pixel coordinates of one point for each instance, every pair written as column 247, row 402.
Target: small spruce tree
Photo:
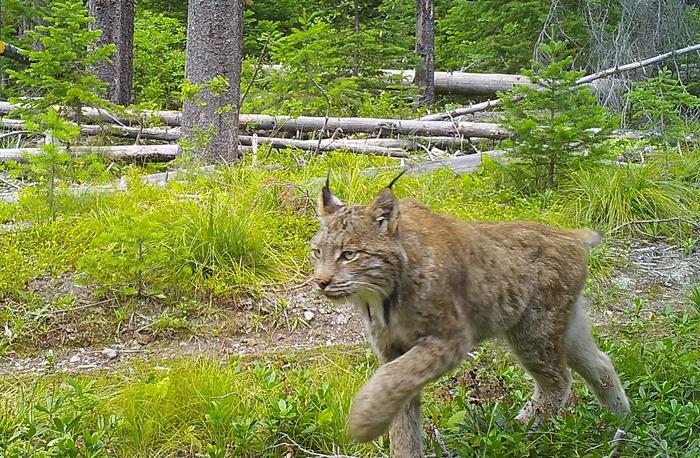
column 556, row 126
column 664, row 105
column 59, row 80
column 58, row 83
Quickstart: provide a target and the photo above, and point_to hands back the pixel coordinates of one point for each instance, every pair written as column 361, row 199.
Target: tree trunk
column 425, row 50
column 116, row 20
column 214, row 57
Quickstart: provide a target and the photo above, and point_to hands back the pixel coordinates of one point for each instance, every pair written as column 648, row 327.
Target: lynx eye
column 348, row 255
column 316, row 253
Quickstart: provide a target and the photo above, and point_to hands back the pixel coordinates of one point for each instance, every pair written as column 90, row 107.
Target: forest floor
column 650, row 276
column 97, row 361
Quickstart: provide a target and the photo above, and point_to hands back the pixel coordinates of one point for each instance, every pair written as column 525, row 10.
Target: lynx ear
column 327, row 202
column 385, row 210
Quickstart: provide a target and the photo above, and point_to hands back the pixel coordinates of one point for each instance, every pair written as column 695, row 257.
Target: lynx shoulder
column 431, row 286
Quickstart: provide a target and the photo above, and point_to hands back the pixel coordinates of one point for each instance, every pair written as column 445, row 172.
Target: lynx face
column 355, row 252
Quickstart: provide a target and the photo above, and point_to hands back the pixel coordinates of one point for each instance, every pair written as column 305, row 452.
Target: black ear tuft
column 328, row 203
column 397, row 177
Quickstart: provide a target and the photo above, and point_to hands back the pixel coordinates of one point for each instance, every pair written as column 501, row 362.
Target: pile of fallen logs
column 453, row 131
column 386, row 137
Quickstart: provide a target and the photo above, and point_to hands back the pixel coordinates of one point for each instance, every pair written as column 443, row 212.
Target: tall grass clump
column 216, row 237
column 609, row 197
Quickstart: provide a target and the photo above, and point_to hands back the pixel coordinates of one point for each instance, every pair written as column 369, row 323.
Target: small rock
column 110, row 353
column 308, row 315
column 342, row 319
column 74, row 359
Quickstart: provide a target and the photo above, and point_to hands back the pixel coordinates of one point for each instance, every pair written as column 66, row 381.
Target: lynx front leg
column 406, row 432
column 390, row 388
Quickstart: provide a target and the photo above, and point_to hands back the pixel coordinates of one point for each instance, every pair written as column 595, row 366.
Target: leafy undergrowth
column 299, row 401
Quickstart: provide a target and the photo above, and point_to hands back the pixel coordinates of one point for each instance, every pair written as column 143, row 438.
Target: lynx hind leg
column 406, row 432
column 584, row 357
column 541, row 352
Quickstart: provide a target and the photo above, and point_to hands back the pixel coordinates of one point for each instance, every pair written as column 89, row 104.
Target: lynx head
column 356, row 252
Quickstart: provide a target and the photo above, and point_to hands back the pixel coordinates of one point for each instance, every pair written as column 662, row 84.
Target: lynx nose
column 322, row 282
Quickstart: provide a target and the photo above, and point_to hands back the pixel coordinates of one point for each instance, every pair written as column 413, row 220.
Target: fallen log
column 126, row 153
column 458, row 164
column 325, row 145
column 12, row 52
column 583, row 80
column 374, row 126
column 453, row 82
column 462, row 83
column 173, row 134
column 168, row 118
column 151, row 133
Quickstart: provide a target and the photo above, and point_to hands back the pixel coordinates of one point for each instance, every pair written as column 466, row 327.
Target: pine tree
column 58, row 81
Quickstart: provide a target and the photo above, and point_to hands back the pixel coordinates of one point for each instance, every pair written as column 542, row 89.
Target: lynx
column 430, row 287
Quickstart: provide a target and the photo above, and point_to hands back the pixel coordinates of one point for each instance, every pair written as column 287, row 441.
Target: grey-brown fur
column 430, row 287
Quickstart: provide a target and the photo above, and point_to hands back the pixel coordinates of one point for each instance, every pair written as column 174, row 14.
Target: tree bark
column 214, row 58
column 12, row 52
column 127, row 153
column 425, row 50
column 378, row 127
column 116, row 20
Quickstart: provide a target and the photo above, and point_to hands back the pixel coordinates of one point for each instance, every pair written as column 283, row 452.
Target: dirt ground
column 657, row 273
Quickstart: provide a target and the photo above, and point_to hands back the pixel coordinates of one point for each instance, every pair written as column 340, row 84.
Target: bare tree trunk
column 425, row 50
column 116, row 20
column 214, row 58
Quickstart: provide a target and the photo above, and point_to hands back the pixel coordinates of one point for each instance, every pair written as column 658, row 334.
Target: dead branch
column 635, row 65
column 583, row 80
column 289, row 443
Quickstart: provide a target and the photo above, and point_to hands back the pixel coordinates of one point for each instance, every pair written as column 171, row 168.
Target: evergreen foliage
column 59, row 79
column 557, row 126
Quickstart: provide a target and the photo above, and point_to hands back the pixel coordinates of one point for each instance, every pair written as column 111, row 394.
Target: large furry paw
column 530, row 414
column 370, row 415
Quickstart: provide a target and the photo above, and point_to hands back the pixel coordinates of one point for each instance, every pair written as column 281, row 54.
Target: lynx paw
column 529, row 413
column 370, row 417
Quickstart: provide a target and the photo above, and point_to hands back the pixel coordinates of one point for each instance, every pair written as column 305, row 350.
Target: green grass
column 661, row 188
column 222, row 233
column 204, row 241
column 202, row 406
column 216, row 236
